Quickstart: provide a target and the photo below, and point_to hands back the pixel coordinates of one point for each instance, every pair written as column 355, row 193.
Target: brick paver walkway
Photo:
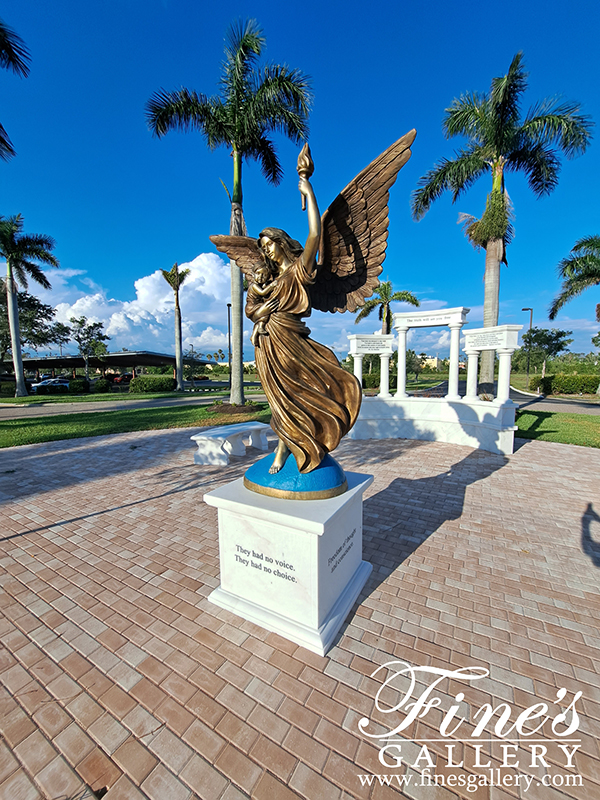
column 118, row 674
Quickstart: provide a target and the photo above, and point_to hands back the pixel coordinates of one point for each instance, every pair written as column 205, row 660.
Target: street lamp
column 529, row 347
column 229, row 339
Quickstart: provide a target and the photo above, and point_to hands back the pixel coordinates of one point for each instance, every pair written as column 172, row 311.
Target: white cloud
column 147, row 322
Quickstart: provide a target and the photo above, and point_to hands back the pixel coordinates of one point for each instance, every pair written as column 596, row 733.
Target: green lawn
column 582, row 429
column 101, row 423
column 84, row 398
column 125, row 396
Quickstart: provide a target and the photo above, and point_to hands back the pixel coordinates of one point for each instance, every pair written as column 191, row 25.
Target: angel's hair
column 291, row 248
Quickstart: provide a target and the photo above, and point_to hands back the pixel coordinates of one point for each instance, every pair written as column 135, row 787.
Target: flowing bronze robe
column 314, row 401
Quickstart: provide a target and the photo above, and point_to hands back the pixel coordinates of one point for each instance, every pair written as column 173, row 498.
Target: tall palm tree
column 175, row 278
column 385, row 296
column 13, row 56
column 579, row 271
column 499, row 140
column 21, row 252
column 252, row 104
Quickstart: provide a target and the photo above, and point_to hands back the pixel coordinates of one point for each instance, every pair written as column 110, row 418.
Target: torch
column 305, row 167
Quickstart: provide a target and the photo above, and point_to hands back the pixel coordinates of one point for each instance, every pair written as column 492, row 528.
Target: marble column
column 473, row 356
column 384, row 386
column 358, row 368
column 454, row 354
column 401, row 390
column 504, row 358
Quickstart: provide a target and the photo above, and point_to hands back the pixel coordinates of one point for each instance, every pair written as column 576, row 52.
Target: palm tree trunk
column 237, row 227
column 178, row 346
column 387, row 322
column 493, row 259
column 15, row 335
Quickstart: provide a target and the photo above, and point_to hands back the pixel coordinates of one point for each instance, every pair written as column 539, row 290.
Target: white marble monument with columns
column 469, row 420
column 378, row 344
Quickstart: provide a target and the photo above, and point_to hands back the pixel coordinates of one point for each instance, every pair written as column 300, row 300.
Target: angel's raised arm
column 314, row 223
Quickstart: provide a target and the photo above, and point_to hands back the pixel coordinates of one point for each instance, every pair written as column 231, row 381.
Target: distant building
column 433, row 362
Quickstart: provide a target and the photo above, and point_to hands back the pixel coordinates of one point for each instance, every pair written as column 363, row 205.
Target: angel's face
column 272, row 250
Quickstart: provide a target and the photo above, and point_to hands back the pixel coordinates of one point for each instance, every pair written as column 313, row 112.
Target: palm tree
column 21, row 251
column 252, row 104
column 385, row 296
column 13, row 56
column 175, row 278
column 499, row 140
column 579, row 271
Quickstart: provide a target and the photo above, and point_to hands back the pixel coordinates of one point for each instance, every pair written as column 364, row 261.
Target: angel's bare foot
column 281, row 455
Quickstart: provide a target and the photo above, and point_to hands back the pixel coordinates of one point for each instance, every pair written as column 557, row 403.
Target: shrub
column 370, row 381
column 52, row 389
column 7, row 389
column 153, row 383
column 78, row 386
column 543, row 384
column 101, row 386
column 566, row 384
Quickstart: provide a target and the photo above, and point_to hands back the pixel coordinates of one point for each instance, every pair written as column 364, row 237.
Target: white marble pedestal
column 293, row 567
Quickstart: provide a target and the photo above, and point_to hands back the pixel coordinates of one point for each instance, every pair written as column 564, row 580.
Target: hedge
column 53, row 388
column 565, row 384
column 78, row 386
column 101, row 386
column 153, row 383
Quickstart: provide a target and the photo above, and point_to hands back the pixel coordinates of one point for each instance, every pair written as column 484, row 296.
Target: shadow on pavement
column 590, row 546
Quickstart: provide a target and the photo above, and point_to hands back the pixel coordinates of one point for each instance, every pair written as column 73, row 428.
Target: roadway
column 41, row 409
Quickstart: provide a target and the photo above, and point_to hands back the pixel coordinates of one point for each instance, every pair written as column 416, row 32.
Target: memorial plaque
column 500, row 336
column 485, row 341
column 371, row 344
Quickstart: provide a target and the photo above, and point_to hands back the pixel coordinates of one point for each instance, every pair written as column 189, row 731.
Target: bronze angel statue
column 314, row 402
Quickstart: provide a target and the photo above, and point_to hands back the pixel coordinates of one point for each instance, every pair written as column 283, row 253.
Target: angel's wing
column 354, row 234
column 241, row 249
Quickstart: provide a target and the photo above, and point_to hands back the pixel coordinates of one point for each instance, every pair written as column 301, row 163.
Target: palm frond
column 262, row 150
column 456, row 175
column 369, row 306
column 243, row 44
column 466, row 116
column 505, row 94
column 185, row 111
column 7, row 151
column 175, row 277
column 579, row 271
column 573, row 287
column 405, row 297
column 559, row 124
column 22, row 251
column 33, row 271
column 14, row 54
column 540, row 164
column 587, row 245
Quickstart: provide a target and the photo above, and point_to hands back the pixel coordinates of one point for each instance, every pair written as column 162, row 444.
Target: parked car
column 64, row 382
column 125, row 378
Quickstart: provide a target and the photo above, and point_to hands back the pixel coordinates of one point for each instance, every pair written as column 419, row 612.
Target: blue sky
column 121, row 204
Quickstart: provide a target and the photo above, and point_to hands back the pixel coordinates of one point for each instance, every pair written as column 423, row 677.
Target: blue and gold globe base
column 327, row 480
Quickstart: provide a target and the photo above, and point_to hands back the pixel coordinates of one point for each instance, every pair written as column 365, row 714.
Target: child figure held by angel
column 261, row 287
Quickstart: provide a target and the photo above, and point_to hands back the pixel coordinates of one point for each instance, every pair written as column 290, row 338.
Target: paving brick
column 19, row 786
column 160, row 784
column 57, row 779
column 238, row 768
column 205, row 780
column 477, row 560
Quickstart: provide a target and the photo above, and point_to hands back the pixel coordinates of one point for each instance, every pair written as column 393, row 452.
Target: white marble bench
column 215, row 445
